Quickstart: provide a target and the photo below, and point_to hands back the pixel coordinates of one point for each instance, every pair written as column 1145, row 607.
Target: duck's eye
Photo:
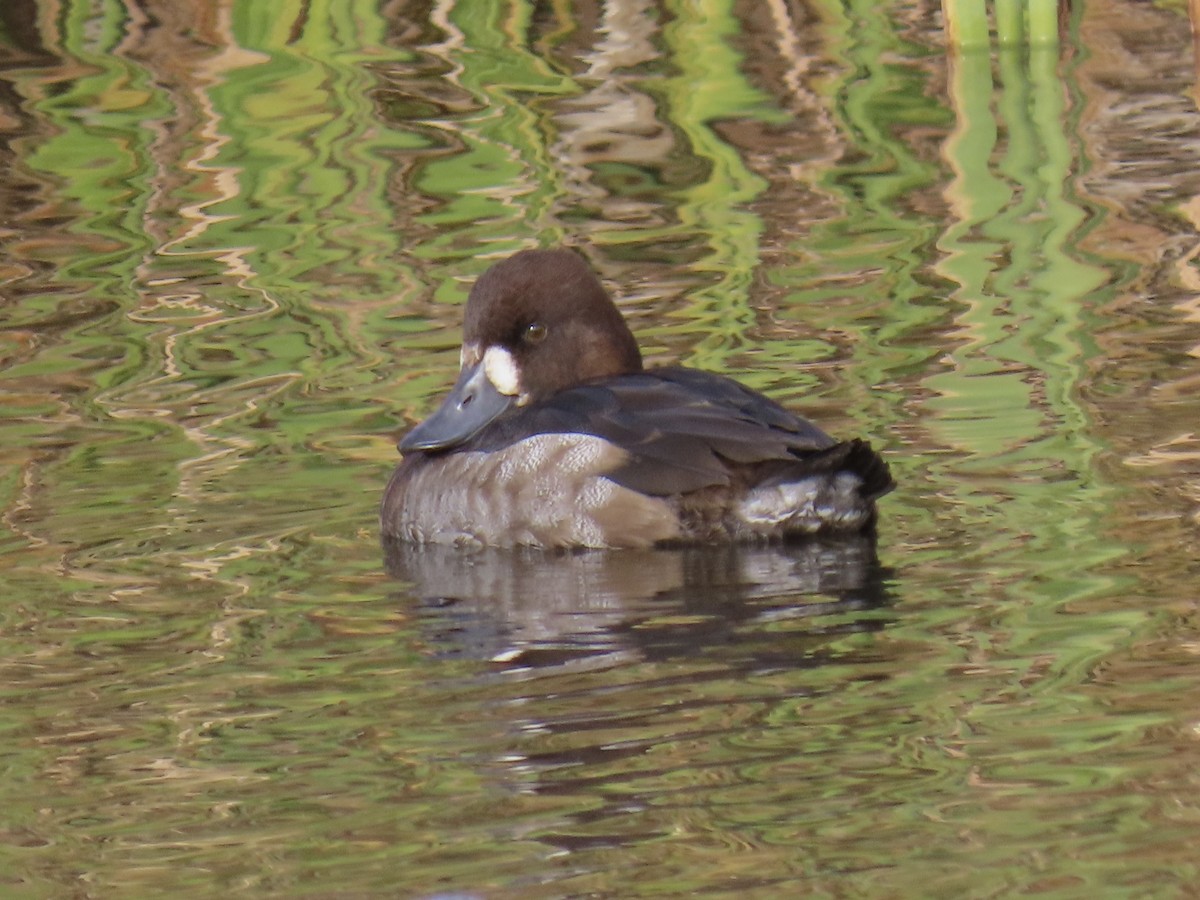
column 535, row 333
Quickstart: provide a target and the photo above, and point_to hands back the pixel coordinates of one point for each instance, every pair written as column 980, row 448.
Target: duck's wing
column 685, row 430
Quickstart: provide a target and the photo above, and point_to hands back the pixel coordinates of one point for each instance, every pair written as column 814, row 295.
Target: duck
column 556, row 436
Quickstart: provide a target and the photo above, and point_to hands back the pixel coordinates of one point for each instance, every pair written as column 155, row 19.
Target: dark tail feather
column 858, row 457
column 868, row 465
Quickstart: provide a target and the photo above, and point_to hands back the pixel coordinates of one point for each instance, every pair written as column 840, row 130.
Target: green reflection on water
column 502, row 179
column 1026, row 294
column 709, row 89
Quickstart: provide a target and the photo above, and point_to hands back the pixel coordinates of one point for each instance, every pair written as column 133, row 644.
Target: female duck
column 555, row 436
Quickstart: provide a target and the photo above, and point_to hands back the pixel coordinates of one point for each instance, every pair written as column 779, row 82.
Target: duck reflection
column 534, row 608
column 632, row 685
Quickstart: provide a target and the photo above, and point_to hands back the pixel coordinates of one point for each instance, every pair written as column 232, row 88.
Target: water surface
column 236, row 247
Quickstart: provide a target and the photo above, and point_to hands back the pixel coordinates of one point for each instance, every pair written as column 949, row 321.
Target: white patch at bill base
column 502, row 371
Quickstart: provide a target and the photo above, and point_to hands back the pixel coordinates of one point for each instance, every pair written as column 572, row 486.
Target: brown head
column 536, row 323
column 549, row 314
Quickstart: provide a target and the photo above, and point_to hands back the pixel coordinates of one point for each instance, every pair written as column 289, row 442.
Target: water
column 236, row 245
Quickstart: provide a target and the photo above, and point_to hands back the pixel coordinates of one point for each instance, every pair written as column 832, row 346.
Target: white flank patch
column 501, row 370
column 807, row 505
column 768, row 507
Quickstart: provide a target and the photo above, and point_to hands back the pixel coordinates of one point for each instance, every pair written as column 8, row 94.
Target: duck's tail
column 828, row 491
column 859, row 457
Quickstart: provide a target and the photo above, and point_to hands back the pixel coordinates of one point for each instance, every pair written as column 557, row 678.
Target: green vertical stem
column 966, row 23
column 1043, row 22
column 1010, row 22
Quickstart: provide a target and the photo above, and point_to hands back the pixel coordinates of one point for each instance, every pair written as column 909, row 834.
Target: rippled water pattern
column 236, row 240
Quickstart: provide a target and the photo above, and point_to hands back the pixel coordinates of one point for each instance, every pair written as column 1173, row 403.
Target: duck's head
column 537, row 323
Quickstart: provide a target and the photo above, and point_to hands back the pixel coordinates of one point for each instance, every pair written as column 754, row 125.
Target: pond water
column 237, row 238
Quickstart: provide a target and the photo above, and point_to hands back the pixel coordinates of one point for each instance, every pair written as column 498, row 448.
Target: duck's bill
column 471, row 404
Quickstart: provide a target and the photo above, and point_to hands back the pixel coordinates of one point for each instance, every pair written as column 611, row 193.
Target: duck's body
column 555, row 436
